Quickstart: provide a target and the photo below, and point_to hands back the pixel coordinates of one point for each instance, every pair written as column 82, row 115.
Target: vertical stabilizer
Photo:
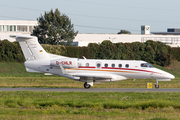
column 31, row 48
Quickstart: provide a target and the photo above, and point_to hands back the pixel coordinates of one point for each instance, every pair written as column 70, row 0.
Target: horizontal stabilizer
column 21, row 36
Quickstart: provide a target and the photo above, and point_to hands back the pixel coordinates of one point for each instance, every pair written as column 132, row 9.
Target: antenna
column 84, row 57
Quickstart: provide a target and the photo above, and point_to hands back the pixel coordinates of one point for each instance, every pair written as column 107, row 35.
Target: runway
column 93, row 89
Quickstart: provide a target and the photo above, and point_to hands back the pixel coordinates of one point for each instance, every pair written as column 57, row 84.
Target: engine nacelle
column 65, row 62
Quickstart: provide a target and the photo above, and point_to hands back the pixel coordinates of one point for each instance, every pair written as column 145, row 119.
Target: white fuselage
column 112, row 70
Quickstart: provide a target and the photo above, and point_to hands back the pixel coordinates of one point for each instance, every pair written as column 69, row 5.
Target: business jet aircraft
column 85, row 70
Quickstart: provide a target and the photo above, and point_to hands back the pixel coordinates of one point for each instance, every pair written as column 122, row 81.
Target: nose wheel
column 156, row 86
column 87, row 86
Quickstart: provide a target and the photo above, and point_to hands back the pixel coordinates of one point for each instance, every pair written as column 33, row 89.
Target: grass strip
column 79, row 105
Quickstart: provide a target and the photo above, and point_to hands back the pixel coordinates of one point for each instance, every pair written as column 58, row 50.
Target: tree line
column 150, row 51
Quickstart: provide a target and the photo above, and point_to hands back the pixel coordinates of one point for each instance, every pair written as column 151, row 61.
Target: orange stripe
column 101, row 70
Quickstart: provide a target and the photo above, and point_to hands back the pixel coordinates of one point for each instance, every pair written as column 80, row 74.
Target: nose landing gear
column 156, row 86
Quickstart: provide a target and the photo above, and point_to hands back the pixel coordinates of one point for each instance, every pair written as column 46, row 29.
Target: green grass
column 15, row 69
column 79, row 105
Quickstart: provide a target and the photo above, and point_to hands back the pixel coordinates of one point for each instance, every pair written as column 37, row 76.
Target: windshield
column 147, row 65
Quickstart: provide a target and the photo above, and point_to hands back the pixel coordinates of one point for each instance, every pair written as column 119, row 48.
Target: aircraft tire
column 87, row 86
column 156, row 86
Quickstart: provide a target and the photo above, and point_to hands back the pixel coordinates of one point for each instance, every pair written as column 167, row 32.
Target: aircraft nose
column 169, row 76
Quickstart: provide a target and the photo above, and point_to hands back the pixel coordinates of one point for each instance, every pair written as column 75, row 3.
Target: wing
column 92, row 75
column 111, row 77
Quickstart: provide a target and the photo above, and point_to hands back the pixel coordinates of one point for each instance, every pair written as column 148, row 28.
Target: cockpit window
column 147, row 65
column 144, row 65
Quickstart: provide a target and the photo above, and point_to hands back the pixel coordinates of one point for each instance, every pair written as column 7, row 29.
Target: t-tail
column 31, row 48
column 37, row 59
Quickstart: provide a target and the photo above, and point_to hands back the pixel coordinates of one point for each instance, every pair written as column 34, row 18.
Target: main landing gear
column 88, row 83
column 156, row 86
column 87, row 86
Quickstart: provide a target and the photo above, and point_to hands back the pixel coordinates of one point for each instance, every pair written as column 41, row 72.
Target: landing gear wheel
column 156, row 86
column 87, row 86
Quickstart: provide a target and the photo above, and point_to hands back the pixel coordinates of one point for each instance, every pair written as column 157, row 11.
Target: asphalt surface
column 92, row 89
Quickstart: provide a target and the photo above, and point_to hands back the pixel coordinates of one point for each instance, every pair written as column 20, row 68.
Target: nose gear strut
column 156, row 86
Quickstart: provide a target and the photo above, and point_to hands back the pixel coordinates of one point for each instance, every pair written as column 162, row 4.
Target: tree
column 124, row 32
column 54, row 28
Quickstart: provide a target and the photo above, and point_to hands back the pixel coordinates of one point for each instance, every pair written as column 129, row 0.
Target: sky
column 100, row 16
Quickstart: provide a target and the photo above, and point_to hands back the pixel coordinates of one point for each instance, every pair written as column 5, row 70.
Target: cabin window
column 98, row 65
column 106, row 65
column 87, row 64
column 127, row 65
column 120, row 65
column 113, row 65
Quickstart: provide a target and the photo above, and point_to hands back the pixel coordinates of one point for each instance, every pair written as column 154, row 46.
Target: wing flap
column 112, row 77
column 96, row 76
